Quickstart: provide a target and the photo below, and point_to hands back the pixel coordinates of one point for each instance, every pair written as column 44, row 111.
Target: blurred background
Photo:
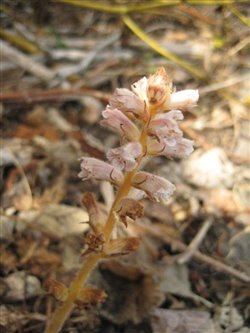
column 60, row 62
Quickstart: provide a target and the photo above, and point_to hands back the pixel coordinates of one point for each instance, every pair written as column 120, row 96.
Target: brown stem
column 63, row 311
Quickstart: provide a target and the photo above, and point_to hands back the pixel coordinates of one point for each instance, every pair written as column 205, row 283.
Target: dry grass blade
column 19, row 41
column 120, row 9
column 242, row 17
column 126, row 9
column 162, row 51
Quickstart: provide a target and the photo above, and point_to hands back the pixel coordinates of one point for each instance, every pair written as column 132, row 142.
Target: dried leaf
column 91, row 296
column 11, row 320
column 121, row 246
column 60, row 220
column 240, row 249
column 56, row 289
column 94, row 243
column 95, row 218
column 130, row 208
column 181, row 321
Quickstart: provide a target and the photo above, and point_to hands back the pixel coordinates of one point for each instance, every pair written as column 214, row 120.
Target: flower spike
column 146, row 129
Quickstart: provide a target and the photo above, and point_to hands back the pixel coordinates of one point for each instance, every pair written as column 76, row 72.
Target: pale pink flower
column 157, row 188
column 127, row 101
column 140, row 89
column 181, row 148
column 125, row 156
column 165, row 125
column 99, row 170
column 158, row 88
column 120, row 123
column 183, row 99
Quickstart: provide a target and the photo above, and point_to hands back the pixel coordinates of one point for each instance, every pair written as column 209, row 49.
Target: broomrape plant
column 147, row 119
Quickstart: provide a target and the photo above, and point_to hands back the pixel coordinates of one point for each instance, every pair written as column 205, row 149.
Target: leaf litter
column 55, row 86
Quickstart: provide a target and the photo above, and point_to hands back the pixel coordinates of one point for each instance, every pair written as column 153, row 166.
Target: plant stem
column 63, row 311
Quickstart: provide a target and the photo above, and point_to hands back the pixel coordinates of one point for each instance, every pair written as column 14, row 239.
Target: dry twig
column 26, row 62
column 194, row 245
column 178, row 245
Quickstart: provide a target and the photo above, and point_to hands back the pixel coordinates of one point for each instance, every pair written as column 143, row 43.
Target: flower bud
column 158, row 88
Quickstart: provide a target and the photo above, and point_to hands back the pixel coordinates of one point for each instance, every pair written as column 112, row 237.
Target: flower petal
column 127, row 101
column 120, row 123
column 181, row 149
column 140, row 89
column 125, row 156
column 99, row 170
column 157, row 188
column 165, row 124
column 183, row 99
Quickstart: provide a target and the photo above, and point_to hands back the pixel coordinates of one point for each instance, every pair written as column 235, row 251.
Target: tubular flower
column 165, row 125
column 124, row 157
column 183, row 99
column 99, row 170
column 167, row 138
column 178, row 147
column 120, row 123
column 127, row 101
column 157, row 188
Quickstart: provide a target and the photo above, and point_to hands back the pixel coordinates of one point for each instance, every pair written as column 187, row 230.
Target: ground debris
column 181, row 321
column 19, row 286
column 61, row 61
